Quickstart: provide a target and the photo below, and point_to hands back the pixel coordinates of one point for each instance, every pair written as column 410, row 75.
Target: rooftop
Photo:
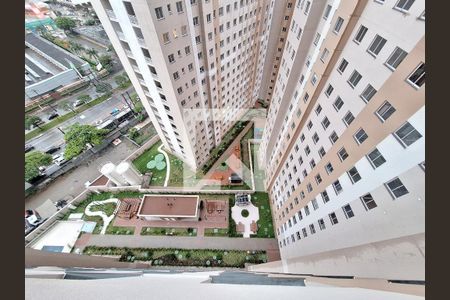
column 169, row 205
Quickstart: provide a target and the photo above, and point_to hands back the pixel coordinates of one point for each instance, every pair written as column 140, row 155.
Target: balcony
column 133, row 20
column 141, row 81
column 148, row 60
column 121, row 35
column 111, row 14
column 129, row 53
column 141, row 42
column 136, row 69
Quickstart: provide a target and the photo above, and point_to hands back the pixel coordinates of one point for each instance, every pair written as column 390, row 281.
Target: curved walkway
column 253, row 215
column 166, row 181
column 106, row 219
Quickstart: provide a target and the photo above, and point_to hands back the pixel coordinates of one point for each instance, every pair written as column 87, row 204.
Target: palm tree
column 92, row 54
column 75, row 47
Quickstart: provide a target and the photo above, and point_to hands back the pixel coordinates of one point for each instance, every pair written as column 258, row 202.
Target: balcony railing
column 133, row 20
column 148, row 60
column 136, row 69
column 129, row 53
column 141, row 81
column 121, row 35
column 141, row 42
column 111, row 14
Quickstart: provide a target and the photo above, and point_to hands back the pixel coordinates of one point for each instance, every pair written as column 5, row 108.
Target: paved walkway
column 160, row 150
column 225, row 243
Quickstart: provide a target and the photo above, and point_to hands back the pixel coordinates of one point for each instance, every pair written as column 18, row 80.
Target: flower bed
column 169, row 231
column 182, row 257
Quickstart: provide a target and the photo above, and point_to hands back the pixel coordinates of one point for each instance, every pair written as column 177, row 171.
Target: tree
column 103, row 87
column 65, row 23
column 106, row 61
column 75, row 47
column 92, row 53
column 84, row 98
column 90, row 22
column 33, row 160
column 133, row 133
column 67, row 106
column 78, row 137
column 122, row 81
column 32, row 121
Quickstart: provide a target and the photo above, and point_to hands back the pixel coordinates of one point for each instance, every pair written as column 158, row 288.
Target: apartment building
column 195, row 64
column 344, row 142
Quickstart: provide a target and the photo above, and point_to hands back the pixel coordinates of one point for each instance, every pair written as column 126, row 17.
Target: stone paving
column 253, row 216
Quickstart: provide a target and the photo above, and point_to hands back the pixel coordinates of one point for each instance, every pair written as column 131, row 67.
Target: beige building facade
column 195, row 64
column 344, row 142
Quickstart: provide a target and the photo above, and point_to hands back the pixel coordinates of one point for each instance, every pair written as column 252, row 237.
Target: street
column 46, row 111
column 71, row 184
column 54, row 137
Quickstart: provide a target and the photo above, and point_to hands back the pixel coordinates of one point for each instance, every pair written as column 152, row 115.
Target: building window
column 307, row 150
column 176, row 76
column 348, row 212
column 195, row 21
column 368, row 201
column 312, row 229
column 166, row 38
column 385, row 111
column 360, row 34
column 321, row 224
column 354, row 175
column 183, row 30
column 329, row 90
column 159, row 13
column 338, row 103
column 309, row 187
column 333, row 218
column 338, row 25
column 179, row 5
column 417, row 78
column 407, row 134
column 333, row 137
column 337, row 187
column 396, row 188
column 342, row 154
column 308, row 5
column 329, row 168
column 325, row 123
column 375, row 158
column 300, row 216
column 187, row 50
column 343, row 65
column 324, row 55
column 348, row 118
column 396, row 58
column 298, row 235
column 354, row 79
column 310, row 125
column 321, row 152
column 368, row 93
column 404, row 5
column 318, row 109
column 376, row 45
column 360, row 136
column 315, row 204
column 315, row 138
column 318, row 179
column 317, row 38
column 327, row 12
column 314, row 79
column 306, row 210
column 305, row 234
column 325, row 196
column 171, row 58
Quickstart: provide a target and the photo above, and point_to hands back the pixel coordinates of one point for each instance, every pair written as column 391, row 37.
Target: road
column 71, row 184
column 54, row 137
column 46, row 111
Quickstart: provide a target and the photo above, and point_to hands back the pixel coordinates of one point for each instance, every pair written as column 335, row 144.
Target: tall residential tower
column 344, row 142
column 191, row 54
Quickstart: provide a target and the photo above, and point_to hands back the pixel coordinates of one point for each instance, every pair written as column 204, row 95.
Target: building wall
column 297, row 152
column 209, row 55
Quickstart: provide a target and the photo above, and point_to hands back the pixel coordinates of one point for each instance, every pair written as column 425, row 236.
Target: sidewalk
column 225, row 243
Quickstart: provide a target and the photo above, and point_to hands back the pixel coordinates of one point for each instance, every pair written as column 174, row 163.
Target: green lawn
column 145, row 134
column 216, row 231
column 182, row 257
column 107, row 208
column 121, row 230
column 265, row 225
column 244, row 147
column 141, row 161
column 169, row 231
column 65, row 117
column 228, row 138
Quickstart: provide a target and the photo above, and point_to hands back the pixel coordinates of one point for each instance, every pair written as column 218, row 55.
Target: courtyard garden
column 142, row 135
column 154, row 161
column 169, row 231
column 216, row 232
column 182, row 257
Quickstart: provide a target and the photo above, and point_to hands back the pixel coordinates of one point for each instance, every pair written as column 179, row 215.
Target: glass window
column 375, row 158
column 342, row 66
column 338, row 25
column 404, row 5
column 337, row 187
column 385, row 111
column 342, row 154
column 368, row 93
column 338, row 103
column 396, row 58
column 348, row 212
column 407, row 134
column 376, row 45
column 368, row 201
column 354, row 175
column 360, row 136
column 333, row 218
column 396, row 187
column 417, row 78
column 354, row 79
column 321, row 224
column 360, row 34
column 325, row 196
column 348, row 118
column 159, row 13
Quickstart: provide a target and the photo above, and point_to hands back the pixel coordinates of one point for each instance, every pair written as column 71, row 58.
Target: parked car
column 78, row 103
column 53, row 150
column 32, row 220
column 53, row 115
column 115, row 111
column 61, row 160
column 28, row 148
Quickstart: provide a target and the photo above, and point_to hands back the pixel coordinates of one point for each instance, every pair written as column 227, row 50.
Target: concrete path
column 106, row 219
column 225, row 243
column 160, row 150
column 253, row 216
